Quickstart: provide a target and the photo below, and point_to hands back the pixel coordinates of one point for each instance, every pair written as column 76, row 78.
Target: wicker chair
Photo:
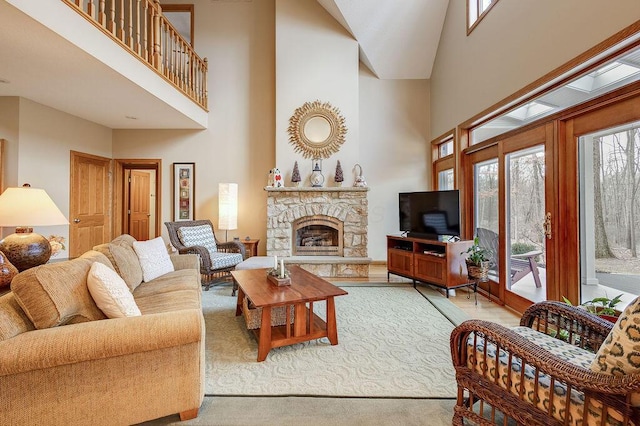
column 552, row 349
column 210, row 269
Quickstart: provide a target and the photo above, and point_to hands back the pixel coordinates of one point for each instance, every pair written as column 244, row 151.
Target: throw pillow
column 154, row 258
column 619, row 354
column 110, row 292
column 201, row 235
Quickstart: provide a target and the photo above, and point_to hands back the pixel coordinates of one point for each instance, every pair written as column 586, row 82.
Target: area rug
column 392, row 343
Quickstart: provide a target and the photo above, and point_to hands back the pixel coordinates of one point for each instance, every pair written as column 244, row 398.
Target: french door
column 604, row 260
column 513, row 196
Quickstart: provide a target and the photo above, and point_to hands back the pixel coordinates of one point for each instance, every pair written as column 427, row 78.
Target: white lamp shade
column 28, row 206
column 227, row 206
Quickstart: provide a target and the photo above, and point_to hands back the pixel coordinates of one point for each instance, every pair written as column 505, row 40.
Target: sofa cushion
column 56, row 293
column 124, row 259
column 201, row 235
column 154, row 258
column 110, row 292
column 183, row 279
column 13, row 320
column 619, row 354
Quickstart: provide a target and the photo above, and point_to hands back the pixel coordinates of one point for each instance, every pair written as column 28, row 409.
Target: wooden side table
column 251, row 246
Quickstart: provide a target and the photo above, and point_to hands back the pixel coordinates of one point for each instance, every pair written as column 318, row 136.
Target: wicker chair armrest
column 203, row 254
column 233, row 247
column 533, row 355
column 584, row 329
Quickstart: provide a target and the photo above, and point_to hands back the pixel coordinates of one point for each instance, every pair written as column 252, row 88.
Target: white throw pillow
column 110, row 292
column 154, row 258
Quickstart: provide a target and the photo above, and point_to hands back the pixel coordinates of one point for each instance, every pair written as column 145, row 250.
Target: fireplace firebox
column 317, row 236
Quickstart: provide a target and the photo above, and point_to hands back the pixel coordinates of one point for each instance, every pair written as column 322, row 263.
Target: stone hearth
column 348, row 205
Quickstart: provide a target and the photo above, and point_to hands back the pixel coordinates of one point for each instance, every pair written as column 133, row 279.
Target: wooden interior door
column 89, row 209
column 139, row 204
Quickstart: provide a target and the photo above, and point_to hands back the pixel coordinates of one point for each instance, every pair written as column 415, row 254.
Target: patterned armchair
column 217, row 259
column 562, row 366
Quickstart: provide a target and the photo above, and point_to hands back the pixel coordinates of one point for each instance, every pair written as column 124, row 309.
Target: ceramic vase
column 7, row 271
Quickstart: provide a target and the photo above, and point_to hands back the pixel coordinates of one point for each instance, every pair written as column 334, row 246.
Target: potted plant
column 477, row 261
column 601, row 306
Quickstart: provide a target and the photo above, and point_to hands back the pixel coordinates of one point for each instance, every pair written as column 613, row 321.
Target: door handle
column 76, row 220
column 547, row 226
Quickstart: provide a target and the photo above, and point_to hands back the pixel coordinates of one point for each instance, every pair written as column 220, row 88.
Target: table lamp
column 227, row 207
column 23, row 208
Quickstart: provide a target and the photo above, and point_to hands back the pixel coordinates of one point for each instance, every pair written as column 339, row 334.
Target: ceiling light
column 130, row 117
column 4, row 80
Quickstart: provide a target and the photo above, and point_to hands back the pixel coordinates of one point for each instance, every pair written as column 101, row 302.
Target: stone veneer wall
column 348, row 204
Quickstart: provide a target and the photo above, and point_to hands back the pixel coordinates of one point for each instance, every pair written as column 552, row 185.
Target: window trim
column 472, row 25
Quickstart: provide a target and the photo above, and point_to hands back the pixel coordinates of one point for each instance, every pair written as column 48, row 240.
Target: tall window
column 476, row 10
column 442, row 153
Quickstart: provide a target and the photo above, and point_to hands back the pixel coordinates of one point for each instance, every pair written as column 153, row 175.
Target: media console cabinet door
column 430, row 268
column 400, row 261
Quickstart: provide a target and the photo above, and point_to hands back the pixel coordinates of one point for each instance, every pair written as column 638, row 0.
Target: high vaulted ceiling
column 398, row 38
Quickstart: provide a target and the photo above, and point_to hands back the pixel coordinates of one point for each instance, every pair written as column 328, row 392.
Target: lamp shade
column 28, row 206
column 23, row 208
column 227, row 206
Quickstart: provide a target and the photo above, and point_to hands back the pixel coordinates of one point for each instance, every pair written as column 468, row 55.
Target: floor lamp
column 23, row 208
column 227, row 207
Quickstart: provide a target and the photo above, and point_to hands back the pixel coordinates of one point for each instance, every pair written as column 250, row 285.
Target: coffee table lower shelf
column 279, row 336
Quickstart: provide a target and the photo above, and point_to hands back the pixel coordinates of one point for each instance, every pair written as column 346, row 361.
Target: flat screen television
column 430, row 214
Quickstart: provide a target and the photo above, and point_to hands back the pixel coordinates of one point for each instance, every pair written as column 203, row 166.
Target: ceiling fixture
column 4, row 80
column 130, row 117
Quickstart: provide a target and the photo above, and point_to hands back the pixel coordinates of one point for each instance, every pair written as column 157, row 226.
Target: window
column 476, row 10
column 613, row 74
column 443, row 162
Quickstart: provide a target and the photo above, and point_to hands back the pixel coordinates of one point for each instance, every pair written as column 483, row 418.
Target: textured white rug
column 392, row 343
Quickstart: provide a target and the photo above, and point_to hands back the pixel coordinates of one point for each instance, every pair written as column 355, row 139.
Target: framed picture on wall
column 184, row 185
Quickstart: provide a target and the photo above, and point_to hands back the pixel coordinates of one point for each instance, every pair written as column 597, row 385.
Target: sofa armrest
column 185, row 261
column 69, row 344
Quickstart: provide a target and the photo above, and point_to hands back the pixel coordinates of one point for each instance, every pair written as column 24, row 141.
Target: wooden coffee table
column 305, row 289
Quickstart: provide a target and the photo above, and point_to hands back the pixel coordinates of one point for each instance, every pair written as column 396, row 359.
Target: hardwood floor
column 484, row 310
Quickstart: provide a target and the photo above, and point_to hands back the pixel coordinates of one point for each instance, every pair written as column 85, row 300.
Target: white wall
column 514, row 45
column 394, row 129
column 316, row 59
column 38, row 150
column 238, row 146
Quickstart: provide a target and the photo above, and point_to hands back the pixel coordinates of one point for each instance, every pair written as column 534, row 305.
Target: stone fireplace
column 324, row 230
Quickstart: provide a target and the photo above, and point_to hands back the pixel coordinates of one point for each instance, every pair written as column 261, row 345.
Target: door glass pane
column 445, row 180
column 486, row 210
column 610, row 213
column 446, row 149
column 525, row 216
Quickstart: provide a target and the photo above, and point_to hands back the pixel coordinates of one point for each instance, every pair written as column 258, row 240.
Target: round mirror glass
column 317, row 129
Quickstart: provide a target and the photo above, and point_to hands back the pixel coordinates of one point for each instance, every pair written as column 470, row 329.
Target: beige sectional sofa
column 62, row 362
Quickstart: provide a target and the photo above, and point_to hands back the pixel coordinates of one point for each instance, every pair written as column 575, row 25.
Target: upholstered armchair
column 217, row 259
column 562, row 366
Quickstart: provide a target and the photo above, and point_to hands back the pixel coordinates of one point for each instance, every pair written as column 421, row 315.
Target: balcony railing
column 140, row 27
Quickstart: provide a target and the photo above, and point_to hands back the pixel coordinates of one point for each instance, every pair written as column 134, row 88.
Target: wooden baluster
column 120, row 31
column 130, row 27
column 204, row 87
column 102, row 16
column 138, row 20
column 145, row 33
column 90, row 9
column 111, row 23
column 157, row 55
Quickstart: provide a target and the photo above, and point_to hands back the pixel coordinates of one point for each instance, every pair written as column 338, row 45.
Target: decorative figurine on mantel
column 275, row 178
column 360, row 181
column 295, row 175
column 339, row 176
column 317, row 178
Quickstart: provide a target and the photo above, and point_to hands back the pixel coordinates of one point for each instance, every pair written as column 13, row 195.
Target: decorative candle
column 275, row 262
column 281, row 268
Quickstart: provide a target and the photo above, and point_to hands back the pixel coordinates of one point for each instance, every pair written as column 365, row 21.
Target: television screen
column 430, row 214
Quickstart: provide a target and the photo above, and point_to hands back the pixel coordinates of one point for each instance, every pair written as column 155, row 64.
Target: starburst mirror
column 317, row 130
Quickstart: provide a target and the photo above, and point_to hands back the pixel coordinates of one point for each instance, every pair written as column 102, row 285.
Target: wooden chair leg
column 189, row 414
